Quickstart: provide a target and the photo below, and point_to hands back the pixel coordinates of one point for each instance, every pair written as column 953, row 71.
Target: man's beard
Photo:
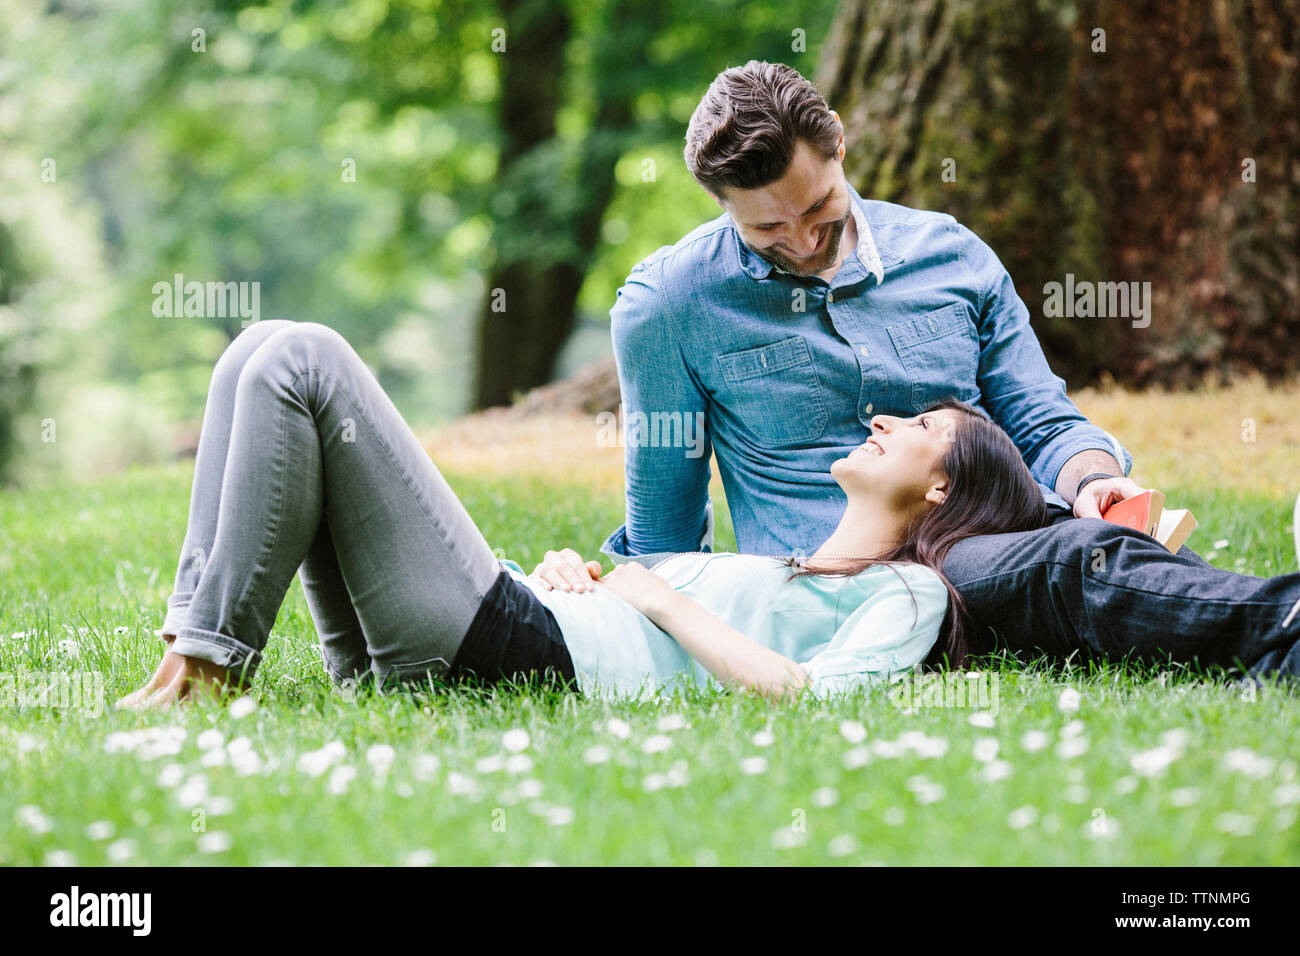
column 805, row 267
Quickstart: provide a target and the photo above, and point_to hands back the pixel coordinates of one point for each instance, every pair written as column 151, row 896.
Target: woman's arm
column 730, row 656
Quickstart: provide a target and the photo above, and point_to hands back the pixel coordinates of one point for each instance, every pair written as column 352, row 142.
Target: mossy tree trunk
column 1121, row 162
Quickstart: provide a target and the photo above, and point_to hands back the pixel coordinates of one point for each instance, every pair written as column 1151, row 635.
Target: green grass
column 677, row 784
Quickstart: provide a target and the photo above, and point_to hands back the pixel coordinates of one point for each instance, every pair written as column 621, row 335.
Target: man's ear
column 842, row 147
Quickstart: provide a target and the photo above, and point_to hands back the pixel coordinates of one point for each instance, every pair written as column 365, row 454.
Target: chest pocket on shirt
column 940, row 353
column 775, row 391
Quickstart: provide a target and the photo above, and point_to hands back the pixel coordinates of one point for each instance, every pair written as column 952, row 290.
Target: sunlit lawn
column 1152, row 767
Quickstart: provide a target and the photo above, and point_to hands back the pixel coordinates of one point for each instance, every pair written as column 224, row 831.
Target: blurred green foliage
column 343, row 155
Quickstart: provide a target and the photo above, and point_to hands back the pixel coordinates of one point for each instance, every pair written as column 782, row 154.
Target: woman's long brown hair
column 990, row 491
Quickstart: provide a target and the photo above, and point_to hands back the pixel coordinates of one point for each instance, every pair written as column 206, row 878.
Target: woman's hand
column 640, row 587
column 566, row 571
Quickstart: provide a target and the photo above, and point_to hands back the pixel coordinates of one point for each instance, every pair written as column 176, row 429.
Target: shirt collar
column 759, row 268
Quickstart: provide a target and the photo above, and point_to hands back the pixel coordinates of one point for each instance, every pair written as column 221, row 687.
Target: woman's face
column 900, row 462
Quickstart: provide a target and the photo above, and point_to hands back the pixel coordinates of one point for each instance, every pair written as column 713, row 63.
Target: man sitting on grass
column 803, row 311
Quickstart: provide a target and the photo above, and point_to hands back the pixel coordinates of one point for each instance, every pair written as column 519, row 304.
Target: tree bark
column 17, row 370
column 550, row 203
column 524, row 318
column 1115, row 165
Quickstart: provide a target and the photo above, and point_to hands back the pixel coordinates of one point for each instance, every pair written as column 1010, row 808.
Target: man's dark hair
column 744, row 132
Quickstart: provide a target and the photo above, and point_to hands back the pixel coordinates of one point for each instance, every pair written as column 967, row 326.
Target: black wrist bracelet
column 1093, row 477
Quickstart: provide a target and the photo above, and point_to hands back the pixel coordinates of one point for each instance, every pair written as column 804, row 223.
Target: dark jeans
column 1093, row 589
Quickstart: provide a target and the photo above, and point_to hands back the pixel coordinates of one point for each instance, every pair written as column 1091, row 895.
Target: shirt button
column 864, row 350
column 830, row 297
column 870, row 406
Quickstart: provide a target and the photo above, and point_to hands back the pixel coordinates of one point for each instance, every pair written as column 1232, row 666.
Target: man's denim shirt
column 785, row 372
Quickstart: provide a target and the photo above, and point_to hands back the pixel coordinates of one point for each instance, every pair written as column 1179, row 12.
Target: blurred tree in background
column 1154, row 141
column 17, row 370
column 585, row 85
column 375, row 165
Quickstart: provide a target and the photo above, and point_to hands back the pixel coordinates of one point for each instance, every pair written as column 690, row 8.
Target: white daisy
column 656, row 744
column 217, row 841
column 856, row 757
column 1236, row 824
column 121, row 850
column 515, row 740
column 1153, row 763
column 1069, row 701
column 559, row 816
column 518, row 763
column 340, row 777
column 1072, row 747
column 852, row 731
column 846, row 844
column 34, row 819
column 995, row 770
column 100, row 830
column 825, row 797
column 985, row 749
column 380, row 757
column 1022, row 817
column 1033, row 740
column 753, row 765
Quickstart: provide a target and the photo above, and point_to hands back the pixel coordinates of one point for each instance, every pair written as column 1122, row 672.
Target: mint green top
column 845, row 632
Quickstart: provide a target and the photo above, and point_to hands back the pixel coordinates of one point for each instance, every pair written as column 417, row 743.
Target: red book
column 1141, row 511
column 1147, row 513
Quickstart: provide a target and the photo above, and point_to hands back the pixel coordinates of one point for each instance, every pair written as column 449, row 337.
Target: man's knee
column 1096, row 545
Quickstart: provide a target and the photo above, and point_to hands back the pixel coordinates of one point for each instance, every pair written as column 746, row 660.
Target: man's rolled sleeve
column 1082, row 438
column 615, row 545
column 1017, row 387
column 668, row 507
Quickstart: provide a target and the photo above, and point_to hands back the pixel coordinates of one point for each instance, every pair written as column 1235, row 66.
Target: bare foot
column 161, row 677
column 193, row 678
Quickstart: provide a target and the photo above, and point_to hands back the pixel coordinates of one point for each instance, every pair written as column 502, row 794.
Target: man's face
column 796, row 223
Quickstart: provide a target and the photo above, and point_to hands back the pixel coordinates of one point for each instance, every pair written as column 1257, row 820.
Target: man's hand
column 640, row 587
column 566, row 571
column 1100, row 494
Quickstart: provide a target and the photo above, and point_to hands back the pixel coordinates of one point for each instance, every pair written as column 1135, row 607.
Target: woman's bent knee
column 231, row 362
column 300, row 345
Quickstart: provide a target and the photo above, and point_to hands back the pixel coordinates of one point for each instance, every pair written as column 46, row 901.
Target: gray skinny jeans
column 304, row 464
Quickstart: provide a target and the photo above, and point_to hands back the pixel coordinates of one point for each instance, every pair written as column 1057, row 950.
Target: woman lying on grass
column 304, row 465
